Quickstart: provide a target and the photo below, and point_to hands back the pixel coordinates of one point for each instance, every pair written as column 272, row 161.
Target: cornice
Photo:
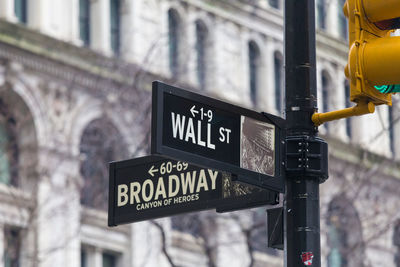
column 362, row 158
column 59, row 59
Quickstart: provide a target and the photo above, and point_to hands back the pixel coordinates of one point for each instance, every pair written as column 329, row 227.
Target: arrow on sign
column 152, row 171
column 193, row 111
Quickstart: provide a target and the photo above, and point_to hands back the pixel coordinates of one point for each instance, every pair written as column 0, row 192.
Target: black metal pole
column 300, row 66
column 305, row 170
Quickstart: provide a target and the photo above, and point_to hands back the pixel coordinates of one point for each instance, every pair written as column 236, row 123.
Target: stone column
column 7, row 10
column 129, row 17
column 37, row 15
column 74, row 22
column 97, row 258
column 100, row 26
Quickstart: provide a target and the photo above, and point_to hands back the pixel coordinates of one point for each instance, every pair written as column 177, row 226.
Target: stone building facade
column 75, row 85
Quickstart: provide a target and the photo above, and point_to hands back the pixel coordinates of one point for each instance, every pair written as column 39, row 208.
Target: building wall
column 55, row 87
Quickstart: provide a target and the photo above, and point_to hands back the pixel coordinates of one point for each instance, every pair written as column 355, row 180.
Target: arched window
column 254, row 62
column 84, row 21
column 321, row 14
column 201, row 50
column 349, row 129
column 278, row 73
column 173, row 41
column 8, row 147
column 344, row 234
column 100, row 144
column 115, row 23
column 21, row 10
column 342, row 20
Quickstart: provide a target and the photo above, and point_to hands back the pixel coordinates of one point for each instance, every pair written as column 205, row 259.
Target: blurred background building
column 75, row 93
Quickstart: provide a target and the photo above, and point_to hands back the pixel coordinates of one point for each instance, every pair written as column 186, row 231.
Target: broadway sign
column 152, row 187
column 217, row 135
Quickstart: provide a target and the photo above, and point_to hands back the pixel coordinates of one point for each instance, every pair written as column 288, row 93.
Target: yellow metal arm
column 360, row 109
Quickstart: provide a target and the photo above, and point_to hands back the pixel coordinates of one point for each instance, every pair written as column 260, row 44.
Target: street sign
column 214, row 134
column 152, row 187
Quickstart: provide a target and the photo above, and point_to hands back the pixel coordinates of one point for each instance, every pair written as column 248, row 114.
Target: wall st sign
column 214, row 134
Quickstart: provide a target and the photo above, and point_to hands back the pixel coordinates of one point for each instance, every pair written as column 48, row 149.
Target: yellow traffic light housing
column 373, row 67
column 374, row 56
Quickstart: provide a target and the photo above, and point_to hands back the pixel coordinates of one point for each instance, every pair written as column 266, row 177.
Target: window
column 109, row 260
column 321, row 16
column 326, row 84
column 5, row 174
column 337, row 236
column 95, row 256
column 325, row 91
column 84, row 21
column 8, row 147
column 348, row 104
column 173, row 42
column 115, row 25
column 20, row 10
column 274, row 3
column 279, row 92
column 201, row 48
column 254, row 58
column 100, row 144
column 391, row 130
column 342, row 20
column 84, row 260
column 344, row 234
column 12, row 246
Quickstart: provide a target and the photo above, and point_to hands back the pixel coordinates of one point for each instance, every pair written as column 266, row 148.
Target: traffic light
column 373, row 67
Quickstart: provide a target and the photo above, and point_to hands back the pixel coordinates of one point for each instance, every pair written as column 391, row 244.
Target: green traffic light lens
column 381, row 88
column 386, row 89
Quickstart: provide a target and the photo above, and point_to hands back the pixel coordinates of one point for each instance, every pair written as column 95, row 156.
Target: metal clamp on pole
column 361, row 108
column 307, row 156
